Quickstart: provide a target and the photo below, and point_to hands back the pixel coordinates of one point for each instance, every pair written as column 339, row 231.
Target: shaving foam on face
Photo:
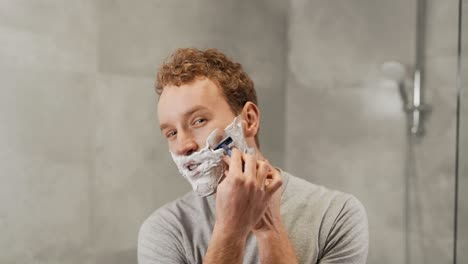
column 235, row 131
column 204, row 168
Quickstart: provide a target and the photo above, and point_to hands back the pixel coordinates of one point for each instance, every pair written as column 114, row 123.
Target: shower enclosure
column 378, row 81
column 461, row 206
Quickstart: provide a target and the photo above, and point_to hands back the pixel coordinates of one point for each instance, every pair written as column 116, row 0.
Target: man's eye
column 171, row 134
column 199, row 121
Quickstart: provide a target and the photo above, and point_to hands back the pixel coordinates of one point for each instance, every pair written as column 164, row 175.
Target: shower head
column 396, row 72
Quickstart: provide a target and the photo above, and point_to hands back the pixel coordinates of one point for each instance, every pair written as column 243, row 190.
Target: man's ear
column 251, row 115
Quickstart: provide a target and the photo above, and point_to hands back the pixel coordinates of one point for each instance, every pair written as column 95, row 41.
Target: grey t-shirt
column 324, row 226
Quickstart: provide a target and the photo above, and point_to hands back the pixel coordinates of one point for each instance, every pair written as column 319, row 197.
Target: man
column 242, row 209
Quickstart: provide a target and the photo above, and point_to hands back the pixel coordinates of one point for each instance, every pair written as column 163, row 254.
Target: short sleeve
column 348, row 238
column 158, row 244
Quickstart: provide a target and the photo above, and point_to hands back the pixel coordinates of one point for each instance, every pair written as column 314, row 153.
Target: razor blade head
column 226, row 145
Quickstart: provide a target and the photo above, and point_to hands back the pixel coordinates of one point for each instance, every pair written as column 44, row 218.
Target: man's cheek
column 173, row 145
column 201, row 135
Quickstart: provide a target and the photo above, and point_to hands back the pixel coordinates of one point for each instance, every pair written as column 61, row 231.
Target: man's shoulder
column 328, row 203
column 333, row 218
column 161, row 235
column 301, row 189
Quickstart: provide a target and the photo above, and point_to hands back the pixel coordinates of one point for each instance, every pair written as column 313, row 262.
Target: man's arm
column 273, row 241
column 276, row 248
column 225, row 247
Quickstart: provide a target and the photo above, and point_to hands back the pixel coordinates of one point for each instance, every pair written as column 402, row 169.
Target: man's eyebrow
column 163, row 126
column 186, row 114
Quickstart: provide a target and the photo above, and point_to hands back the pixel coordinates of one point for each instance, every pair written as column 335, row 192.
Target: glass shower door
column 461, row 234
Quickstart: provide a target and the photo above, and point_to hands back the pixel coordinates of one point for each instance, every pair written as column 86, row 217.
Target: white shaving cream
column 205, row 168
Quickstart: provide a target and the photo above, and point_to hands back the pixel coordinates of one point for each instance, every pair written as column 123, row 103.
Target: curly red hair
column 187, row 64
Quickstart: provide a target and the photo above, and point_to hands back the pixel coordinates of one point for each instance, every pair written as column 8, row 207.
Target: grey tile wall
column 82, row 159
column 45, row 141
column 49, row 35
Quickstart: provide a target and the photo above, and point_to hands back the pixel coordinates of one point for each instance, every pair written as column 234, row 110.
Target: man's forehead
column 180, row 101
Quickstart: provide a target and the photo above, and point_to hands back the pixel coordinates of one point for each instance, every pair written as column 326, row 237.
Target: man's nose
column 186, row 144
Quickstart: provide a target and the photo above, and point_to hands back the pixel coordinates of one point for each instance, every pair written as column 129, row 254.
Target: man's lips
column 190, row 166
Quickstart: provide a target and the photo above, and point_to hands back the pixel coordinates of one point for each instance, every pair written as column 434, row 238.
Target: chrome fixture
column 410, row 93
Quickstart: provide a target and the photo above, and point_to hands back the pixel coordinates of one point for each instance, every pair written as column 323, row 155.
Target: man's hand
column 271, row 220
column 243, row 197
column 273, row 242
column 241, row 201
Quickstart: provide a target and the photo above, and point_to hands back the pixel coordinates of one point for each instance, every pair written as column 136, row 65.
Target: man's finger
column 226, row 159
column 250, row 169
column 221, row 179
column 262, row 172
column 274, row 185
column 235, row 163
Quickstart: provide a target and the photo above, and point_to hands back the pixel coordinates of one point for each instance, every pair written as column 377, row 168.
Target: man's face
column 189, row 113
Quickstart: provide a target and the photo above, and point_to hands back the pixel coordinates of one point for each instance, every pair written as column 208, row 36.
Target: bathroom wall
column 82, row 161
column 345, row 127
